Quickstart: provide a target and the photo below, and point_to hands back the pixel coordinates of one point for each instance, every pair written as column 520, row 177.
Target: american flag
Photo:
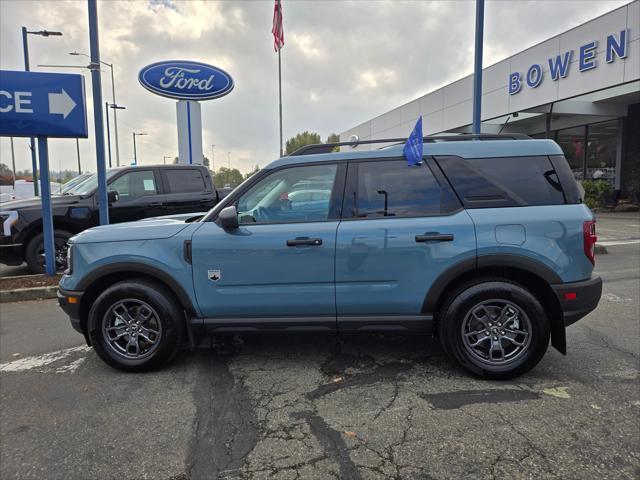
column 277, row 30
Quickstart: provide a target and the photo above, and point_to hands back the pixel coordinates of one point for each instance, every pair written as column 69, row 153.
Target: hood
column 150, row 229
column 184, row 217
column 35, row 202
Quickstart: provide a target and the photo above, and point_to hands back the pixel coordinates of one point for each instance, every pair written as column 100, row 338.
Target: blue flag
column 413, row 148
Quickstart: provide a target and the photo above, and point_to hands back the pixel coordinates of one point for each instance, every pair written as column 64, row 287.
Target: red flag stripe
column 277, row 29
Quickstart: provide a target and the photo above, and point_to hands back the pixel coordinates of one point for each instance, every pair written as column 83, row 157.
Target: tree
column 300, row 140
column 205, row 161
column 227, row 177
column 256, row 169
column 333, row 138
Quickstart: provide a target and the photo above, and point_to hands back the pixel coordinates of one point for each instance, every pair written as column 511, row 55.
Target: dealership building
column 580, row 88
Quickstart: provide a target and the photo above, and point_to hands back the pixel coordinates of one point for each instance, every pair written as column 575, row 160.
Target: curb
column 23, row 294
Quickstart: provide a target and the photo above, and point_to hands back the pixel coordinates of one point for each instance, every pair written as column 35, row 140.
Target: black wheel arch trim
column 558, row 336
column 147, row 270
column 483, row 261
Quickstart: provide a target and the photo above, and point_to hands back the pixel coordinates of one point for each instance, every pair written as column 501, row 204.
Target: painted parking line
column 612, row 243
column 39, row 361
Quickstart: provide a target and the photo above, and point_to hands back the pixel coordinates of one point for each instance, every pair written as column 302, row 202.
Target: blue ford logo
column 185, row 80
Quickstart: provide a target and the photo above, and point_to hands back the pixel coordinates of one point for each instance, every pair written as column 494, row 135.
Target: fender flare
column 558, row 335
column 147, row 270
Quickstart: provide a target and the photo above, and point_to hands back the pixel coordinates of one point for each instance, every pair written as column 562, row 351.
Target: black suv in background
column 134, row 193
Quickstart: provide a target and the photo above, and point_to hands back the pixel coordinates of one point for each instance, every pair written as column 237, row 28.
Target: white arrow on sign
column 61, row 104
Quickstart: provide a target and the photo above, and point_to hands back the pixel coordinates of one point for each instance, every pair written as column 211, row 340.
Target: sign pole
column 32, row 142
column 47, row 214
column 97, row 112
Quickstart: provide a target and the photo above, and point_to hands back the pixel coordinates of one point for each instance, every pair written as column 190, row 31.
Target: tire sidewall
column 460, row 306
column 31, row 252
column 169, row 316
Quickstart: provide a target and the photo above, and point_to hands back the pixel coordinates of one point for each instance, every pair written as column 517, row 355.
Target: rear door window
column 390, row 188
column 504, row 181
column 185, row 180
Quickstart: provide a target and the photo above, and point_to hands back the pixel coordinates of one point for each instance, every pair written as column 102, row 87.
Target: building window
column 572, row 141
column 601, row 151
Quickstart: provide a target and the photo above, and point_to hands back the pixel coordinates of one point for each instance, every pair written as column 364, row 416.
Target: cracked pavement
column 307, row 407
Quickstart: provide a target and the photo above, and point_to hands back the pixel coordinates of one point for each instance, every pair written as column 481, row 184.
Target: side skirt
column 400, row 324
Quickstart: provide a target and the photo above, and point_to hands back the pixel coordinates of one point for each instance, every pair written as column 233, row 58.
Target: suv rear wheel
column 494, row 329
column 136, row 325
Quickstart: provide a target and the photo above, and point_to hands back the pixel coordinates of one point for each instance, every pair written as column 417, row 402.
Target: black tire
column 169, row 324
column 34, row 252
column 478, row 307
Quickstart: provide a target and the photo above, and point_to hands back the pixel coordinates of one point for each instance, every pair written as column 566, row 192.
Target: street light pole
column 94, row 47
column 32, row 141
column 135, row 152
column 113, row 101
column 106, row 109
column 135, row 155
column 213, row 157
column 78, row 153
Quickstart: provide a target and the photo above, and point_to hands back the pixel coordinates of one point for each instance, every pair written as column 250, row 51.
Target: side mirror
column 228, row 217
column 112, row 196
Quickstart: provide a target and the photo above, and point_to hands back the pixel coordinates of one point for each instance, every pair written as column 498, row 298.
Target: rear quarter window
column 185, row 180
column 503, row 181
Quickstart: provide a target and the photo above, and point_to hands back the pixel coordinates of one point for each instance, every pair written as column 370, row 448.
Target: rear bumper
column 578, row 299
column 10, row 253
column 71, row 309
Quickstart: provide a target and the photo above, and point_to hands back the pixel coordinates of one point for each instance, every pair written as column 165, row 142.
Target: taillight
column 590, row 238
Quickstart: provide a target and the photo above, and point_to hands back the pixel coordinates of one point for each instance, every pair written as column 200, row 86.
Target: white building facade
column 581, row 88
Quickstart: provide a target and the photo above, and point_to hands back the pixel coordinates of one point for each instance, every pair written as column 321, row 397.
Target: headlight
column 69, row 269
column 7, row 219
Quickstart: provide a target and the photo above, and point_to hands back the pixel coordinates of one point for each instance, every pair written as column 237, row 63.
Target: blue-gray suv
column 486, row 244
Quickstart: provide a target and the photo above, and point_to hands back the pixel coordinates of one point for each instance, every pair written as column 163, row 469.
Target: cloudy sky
column 343, row 62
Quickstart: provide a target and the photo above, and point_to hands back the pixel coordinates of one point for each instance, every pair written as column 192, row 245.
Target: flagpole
column 280, row 77
column 280, row 94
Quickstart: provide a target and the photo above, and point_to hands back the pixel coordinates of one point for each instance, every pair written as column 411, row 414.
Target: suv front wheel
column 136, row 325
column 494, row 329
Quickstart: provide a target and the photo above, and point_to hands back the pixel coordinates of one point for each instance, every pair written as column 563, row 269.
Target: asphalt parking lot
column 290, row 407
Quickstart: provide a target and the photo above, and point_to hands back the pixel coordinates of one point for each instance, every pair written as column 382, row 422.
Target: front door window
column 291, row 195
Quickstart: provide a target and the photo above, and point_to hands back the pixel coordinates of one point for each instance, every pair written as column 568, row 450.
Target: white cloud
column 343, row 62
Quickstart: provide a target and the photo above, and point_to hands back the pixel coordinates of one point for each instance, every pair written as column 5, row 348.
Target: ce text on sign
column 42, row 104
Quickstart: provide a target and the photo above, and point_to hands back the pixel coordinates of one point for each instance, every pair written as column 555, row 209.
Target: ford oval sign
column 185, row 80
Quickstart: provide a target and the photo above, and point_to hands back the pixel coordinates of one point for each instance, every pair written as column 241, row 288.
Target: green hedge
column 596, row 192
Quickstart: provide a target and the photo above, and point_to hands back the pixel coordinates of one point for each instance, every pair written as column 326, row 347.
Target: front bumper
column 578, row 299
column 69, row 301
column 10, row 253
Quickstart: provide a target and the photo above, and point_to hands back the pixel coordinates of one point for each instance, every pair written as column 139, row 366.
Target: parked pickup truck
column 134, row 193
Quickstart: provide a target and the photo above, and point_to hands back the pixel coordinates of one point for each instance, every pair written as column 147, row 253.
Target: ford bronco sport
column 486, row 244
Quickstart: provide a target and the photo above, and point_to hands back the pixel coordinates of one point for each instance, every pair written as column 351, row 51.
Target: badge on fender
column 214, row 275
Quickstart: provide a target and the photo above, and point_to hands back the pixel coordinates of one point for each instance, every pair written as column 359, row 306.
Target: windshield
column 89, row 184
column 74, row 182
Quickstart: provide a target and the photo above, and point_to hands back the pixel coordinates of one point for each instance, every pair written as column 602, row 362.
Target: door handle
column 298, row 241
column 435, row 237
column 156, row 204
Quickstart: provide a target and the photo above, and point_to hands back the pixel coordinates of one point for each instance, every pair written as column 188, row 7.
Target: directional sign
column 42, row 104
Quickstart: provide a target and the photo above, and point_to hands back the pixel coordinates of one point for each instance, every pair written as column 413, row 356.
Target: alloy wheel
column 496, row 332
column 132, row 329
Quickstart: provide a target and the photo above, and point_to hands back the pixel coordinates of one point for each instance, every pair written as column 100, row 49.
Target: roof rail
column 328, row 147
